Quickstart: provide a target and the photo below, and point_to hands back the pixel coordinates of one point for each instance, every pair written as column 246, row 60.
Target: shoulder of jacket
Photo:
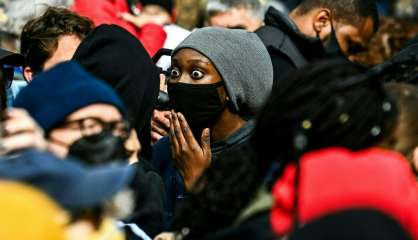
column 271, row 36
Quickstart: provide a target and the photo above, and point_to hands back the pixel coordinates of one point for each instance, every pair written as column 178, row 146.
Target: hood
column 111, row 53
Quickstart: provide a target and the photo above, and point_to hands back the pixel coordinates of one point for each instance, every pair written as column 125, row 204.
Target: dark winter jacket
column 289, row 48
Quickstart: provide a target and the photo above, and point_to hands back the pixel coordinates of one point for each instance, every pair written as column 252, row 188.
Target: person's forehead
column 187, row 54
column 104, row 112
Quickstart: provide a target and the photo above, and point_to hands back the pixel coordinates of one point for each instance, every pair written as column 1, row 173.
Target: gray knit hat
column 242, row 61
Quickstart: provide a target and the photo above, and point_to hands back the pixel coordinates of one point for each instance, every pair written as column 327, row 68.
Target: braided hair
column 401, row 71
column 328, row 104
column 324, row 105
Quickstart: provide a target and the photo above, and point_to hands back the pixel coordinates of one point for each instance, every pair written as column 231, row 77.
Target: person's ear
column 133, row 145
column 322, row 23
column 28, row 74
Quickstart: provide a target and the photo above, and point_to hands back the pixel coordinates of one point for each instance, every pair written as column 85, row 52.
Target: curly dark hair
column 39, row 38
column 393, row 35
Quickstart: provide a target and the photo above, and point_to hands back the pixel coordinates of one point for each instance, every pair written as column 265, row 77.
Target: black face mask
column 99, row 148
column 332, row 48
column 200, row 104
column 326, row 50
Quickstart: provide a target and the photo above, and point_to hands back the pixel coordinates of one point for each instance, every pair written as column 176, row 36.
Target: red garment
column 152, row 36
column 336, row 179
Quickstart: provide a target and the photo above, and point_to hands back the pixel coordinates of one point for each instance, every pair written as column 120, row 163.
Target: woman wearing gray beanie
column 219, row 80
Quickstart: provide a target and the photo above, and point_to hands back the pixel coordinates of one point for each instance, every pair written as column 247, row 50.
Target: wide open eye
column 175, row 73
column 196, row 74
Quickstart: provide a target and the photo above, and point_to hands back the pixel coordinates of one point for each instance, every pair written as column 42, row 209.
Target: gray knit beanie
column 242, row 61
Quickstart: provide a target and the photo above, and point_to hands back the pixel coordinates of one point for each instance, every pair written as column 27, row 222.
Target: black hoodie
column 115, row 56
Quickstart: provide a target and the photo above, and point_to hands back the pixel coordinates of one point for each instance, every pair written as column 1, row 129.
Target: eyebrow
column 198, row 61
column 194, row 61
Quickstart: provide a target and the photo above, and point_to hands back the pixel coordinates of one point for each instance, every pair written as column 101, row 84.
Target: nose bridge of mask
column 199, row 103
column 193, row 91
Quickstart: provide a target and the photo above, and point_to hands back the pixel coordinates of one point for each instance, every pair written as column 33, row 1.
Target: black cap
column 166, row 4
column 10, row 58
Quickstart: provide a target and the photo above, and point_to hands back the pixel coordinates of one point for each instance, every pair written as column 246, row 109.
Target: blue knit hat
column 66, row 88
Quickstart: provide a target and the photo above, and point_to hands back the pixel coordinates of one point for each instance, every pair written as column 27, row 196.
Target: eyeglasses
column 91, row 126
column 8, row 75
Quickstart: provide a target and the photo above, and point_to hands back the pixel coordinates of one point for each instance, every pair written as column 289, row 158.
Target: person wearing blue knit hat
column 74, row 115
column 71, row 114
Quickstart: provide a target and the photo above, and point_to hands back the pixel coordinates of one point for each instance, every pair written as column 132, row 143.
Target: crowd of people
column 214, row 119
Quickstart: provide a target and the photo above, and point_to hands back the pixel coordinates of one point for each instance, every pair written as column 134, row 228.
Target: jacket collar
column 311, row 48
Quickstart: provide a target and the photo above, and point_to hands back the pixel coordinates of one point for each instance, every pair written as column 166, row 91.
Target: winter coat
column 336, row 179
column 289, row 49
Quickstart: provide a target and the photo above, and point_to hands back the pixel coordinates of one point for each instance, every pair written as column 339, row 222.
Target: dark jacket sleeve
column 173, row 182
column 150, row 199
